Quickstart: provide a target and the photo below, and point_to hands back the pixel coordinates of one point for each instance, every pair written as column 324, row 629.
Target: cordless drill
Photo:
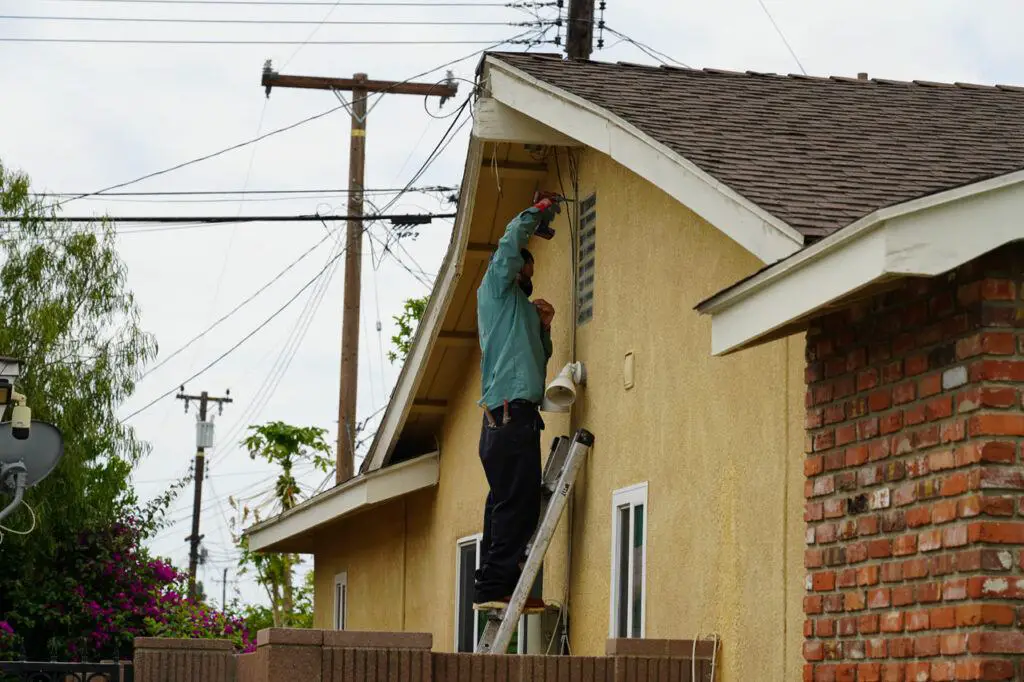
column 542, row 200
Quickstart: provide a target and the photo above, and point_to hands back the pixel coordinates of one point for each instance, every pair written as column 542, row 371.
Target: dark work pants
column 510, row 454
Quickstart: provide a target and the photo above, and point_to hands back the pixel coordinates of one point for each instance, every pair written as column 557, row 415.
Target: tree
column 66, row 312
column 285, row 446
column 407, row 323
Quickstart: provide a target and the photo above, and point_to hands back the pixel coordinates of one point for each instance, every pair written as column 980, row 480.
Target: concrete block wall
column 915, row 483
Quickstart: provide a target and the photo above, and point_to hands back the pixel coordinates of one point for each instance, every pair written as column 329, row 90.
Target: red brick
column 847, row 627
column 879, row 598
column 968, row 400
column 998, row 506
column 931, row 540
column 943, row 618
column 954, row 590
column 902, row 595
column 833, row 603
column 943, row 564
column 892, row 371
column 998, row 343
column 826, row 533
column 808, row 629
column 927, row 593
column 996, row 532
column 919, row 516
column 971, row 615
column 904, row 494
column 891, row 622
column 915, row 568
column 952, row 432
column 824, row 441
column 812, row 604
column 834, row 414
column 892, row 572
column 869, row 476
column 814, row 650
column 825, row 581
column 954, row 536
column 929, row 385
column 917, row 466
column 940, row 408
column 914, row 415
column 825, row 627
column 856, row 456
column 944, row 511
column 996, row 425
column 878, row 648
column 925, row 647
column 867, row 379
column 966, row 294
column 814, row 465
column 939, row 461
column 824, row 485
column 997, row 452
column 1003, row 478
column 868, row 575
column 916, row 364
column 868, row 429
column 857, row 552
column 943, row 671
column 952, row 645
column 997, row 396
column 919, row 671
column 846, row 672
column 834, row 508
column 968, row 347
column 869, row 672
column 893, row 422
column 813, row 558
column 917, row 620
column 995, row 642
column 901, row 647
column 845, row 386
column 856, row 408
column 977, row 669
column 868, row 624
column 867, row 526
column 1002, row 370
column 968, row 507
column 955, row 484
column 879, row 549
column 878, row 450
column 846, row 578
column 903, row 393
column 998, row 289
column 846, row 434
column 927, row 437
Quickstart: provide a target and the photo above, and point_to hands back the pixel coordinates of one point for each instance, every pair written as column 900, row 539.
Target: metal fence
column 53, row 671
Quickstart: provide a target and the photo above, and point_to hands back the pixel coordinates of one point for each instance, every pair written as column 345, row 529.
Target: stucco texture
column 717, row 440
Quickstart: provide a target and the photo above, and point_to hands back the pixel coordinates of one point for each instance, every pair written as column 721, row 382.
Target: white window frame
column 341, row 614
column 630, row 496
column 534, row 619
column 459, row 544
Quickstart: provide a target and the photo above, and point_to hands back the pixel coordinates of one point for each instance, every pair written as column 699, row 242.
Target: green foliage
column 66, row 312
column 407, row 322
column 285, row 446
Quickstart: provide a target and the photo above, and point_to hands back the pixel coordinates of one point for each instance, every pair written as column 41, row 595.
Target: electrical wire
column 289, row 22
column 783, row 36
column 238, row 307
column 309, row 3
column 5, row 529
column 238, row 344
column 154, row 41
column 648, row 50
column 378, row 190
column 265, row 135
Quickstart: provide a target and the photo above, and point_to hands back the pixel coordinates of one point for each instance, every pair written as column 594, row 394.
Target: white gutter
column 348, row 498
column 922, row 237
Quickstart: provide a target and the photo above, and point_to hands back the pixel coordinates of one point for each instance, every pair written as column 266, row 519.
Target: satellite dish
column 39, row 453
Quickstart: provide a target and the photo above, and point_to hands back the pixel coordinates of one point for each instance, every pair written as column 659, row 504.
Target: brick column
column 914, row 482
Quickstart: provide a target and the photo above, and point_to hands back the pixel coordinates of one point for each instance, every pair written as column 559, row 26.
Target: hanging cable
column 783, row 36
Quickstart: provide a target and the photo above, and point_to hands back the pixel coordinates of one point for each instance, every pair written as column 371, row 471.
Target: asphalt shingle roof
column 818, row 153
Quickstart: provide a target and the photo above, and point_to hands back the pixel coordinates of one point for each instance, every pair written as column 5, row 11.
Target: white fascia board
column 924, row 237
column 495, row 122
column 357, row 493
column 756, row 230
column 430, row 325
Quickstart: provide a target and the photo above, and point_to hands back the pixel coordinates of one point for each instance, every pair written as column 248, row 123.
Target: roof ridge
column 996, row 87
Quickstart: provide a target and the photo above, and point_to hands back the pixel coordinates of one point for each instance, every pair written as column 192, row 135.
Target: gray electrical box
column 204, row 434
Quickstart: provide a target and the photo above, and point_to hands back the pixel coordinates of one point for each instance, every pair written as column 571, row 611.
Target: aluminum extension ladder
column 560, row 471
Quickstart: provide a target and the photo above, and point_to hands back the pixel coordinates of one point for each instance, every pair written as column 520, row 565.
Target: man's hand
column 546, row 312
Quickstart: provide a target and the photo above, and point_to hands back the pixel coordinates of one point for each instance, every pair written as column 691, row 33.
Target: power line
column 379, row 190
column 150, row 41
column 320, row 3
column 239, row 343
column 272, row 132
column 236, row 308
column 783, row 36
column 648, row 50
column 294, row 22
column 407, row 218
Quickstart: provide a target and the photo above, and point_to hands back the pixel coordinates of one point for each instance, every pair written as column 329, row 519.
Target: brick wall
column 915, row 488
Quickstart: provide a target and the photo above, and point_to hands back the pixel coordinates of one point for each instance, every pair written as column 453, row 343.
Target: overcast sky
column 80, row 117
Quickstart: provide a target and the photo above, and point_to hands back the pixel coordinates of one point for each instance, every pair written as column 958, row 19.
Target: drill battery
column 544, row 229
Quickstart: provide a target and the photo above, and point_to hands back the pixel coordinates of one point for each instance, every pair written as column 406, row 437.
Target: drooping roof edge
column 924, row 237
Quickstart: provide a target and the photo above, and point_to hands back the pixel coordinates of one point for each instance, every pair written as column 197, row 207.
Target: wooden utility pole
column 579, row 36
column 360, row 87
column 204, row 439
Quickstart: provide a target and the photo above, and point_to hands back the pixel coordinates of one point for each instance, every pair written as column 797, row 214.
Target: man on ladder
column 515, row 344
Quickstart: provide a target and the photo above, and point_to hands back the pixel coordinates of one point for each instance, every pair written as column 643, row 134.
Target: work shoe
column 533, row 605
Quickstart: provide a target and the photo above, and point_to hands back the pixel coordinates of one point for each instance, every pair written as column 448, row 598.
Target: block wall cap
column 351, row 639
column 150, row 643
column 290, row 636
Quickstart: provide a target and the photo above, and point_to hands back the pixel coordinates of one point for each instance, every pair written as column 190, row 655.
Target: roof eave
column 923, row 237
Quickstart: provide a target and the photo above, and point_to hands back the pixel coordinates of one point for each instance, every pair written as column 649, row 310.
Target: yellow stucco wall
column 717, row 440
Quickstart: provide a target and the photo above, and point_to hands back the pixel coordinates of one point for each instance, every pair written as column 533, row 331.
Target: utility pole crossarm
column 361, row 87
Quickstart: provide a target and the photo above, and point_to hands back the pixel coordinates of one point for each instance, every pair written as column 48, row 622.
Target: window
column 340, row 600
column 469, row 624
column 585, row 260
column 629, row 562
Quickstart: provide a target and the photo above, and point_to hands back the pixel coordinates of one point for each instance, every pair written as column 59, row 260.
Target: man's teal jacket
column 514, row 347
